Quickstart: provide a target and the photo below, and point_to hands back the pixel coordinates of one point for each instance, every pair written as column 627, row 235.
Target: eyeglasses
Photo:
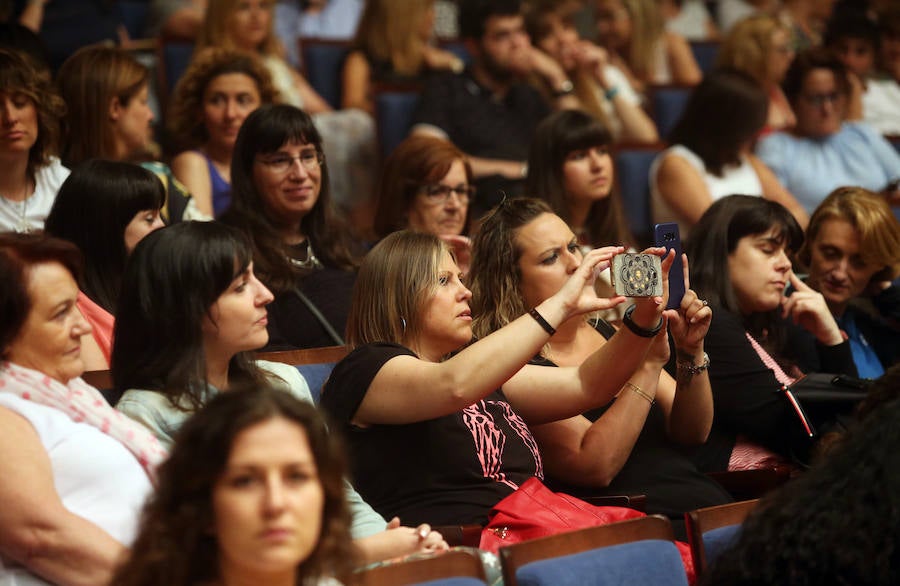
column 281, row 163
column 821, row 99
column 439, row 194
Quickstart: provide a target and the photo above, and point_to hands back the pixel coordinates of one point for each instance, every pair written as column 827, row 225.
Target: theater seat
column 633, row 172
column 394, row 110
column 323, row 62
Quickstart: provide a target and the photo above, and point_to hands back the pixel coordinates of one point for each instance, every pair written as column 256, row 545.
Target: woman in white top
column 74, row 472
column 712, row 153
column 30, row 173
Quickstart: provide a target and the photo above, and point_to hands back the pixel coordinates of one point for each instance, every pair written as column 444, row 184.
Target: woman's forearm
column 691, row 417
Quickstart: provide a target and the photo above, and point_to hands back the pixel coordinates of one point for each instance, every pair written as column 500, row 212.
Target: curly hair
column 804, row 64
column 184, row 119
column 494, row 275
column 19, row 76
column 839, row 523
column 176, row 545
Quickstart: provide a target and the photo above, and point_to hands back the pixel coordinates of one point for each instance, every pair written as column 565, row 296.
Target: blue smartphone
column 667, row 235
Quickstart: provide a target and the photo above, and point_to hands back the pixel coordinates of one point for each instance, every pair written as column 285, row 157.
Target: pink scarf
column 83, row 403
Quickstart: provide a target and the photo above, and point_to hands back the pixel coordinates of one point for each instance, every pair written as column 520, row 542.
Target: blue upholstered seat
column 315, row 376
column 715, row 541
column 652, row 561
column 323, row 62
column 633, row 171
column 393, row 117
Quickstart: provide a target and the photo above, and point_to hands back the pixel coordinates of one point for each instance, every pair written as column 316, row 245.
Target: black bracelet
column 541, row 321
column 636, row 329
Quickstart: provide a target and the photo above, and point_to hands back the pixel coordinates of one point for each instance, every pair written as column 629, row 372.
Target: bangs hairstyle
column 88, row 81
column 19, row 76
column 265, row 131
column 871, row 216
column 418, row 160
column 94, row 206
column 722, row 114
column 716, row 235
column 176, row 545
column 403, row 268
column 494, row 276
column 18, row 254
column 555, row 138
column 185, row 115
column 173, row 278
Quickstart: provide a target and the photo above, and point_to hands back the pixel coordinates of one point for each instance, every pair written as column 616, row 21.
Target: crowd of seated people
column 485, row 346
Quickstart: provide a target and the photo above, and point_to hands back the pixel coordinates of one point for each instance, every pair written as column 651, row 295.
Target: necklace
column 310, row 262
column 20, row 211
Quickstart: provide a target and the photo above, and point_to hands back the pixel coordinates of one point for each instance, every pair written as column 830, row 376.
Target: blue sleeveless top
column 221, row 189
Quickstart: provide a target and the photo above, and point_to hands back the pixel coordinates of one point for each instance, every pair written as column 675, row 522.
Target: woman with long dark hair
column 281, row 199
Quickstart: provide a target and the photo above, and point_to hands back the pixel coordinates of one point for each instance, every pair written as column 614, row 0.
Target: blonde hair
column 869, row 213
column 395, row 280
column 215, row 33
column 389, row 30
column 748, row 46
column 88, row 82
column 184, row 119
column 647, row 27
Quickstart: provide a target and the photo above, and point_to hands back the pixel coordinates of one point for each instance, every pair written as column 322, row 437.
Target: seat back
column 667, row 102
column 452, row 568
column 395, row 106
column 174, row 56
column 633, row 170
column 314, row 364
column 133, row 15
column 516, row 556
column 713, row 529
column 323, row 64
column 705, row 53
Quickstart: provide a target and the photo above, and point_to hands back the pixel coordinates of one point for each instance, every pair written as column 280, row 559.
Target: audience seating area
column 713, row 529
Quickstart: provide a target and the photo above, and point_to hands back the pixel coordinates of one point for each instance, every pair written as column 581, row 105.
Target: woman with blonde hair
column 852, row 250
column 634, row 32
column 392, row 43
column 760, row 46
column 349, row 135
column 220, row 88
column 602, row 89
column 106, row 92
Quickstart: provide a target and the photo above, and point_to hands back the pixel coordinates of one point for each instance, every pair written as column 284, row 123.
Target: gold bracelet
column 640, row 392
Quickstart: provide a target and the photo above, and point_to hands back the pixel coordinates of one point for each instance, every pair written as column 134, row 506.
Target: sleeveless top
column 735, row 179
column 221, row 189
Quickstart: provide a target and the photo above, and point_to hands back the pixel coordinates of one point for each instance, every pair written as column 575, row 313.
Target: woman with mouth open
column 761, row 339
column 442, row 439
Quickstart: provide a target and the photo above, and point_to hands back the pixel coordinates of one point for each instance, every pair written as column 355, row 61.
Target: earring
column 403, row 323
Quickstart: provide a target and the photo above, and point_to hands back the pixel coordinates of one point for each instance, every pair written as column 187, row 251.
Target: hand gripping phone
column 666, row 235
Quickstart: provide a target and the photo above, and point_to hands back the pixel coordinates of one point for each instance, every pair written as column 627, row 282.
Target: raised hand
column 578, row 295
column 807, row 308
column 690, row 322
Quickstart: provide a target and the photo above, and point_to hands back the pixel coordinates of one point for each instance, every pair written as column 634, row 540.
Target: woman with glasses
column 825, row 151
column 426, row 186
column 301, row 249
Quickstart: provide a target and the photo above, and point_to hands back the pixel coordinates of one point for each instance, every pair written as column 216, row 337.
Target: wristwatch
column 564, row 89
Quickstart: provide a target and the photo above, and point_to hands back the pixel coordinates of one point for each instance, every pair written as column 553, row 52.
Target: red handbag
column 535, row 511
